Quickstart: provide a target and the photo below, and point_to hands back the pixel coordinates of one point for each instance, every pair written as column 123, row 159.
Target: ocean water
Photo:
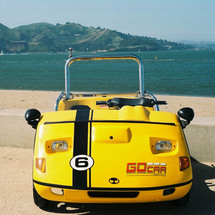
column 190, row 73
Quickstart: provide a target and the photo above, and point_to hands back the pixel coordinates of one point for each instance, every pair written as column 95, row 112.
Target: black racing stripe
column 81, row 132
column 115, row 121
column 80, row 146
column 114, row 189
column 90, row 150
column 91, row 120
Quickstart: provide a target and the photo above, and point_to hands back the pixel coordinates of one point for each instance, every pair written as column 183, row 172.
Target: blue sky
column 173, row 20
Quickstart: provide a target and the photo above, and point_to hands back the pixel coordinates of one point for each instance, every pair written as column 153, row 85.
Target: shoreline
column 45, row 101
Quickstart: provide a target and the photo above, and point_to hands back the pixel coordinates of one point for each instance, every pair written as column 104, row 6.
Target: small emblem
column 81, row 162
column 114, row 180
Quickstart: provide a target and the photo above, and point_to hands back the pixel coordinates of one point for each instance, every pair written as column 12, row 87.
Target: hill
column 45, row 37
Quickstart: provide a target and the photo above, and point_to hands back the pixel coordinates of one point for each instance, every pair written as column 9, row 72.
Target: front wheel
column 38, row 200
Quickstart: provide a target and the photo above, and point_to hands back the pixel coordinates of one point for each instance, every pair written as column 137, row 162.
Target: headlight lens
column 60, row 145
column 163, row 145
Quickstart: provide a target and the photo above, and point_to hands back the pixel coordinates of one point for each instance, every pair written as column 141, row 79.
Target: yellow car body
column 91, row 151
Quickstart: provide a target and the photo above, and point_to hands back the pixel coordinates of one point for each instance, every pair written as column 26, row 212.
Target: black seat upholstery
column 120, row 102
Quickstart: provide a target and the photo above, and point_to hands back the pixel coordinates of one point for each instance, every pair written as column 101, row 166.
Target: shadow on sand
column 202, row 200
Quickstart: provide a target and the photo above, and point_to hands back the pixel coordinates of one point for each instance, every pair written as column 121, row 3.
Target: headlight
column 163, row 145
column 60, row 145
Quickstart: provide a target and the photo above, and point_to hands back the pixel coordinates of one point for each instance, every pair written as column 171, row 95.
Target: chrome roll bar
column 103, row 57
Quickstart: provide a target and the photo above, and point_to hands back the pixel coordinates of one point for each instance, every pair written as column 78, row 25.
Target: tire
column 184, row 200
column 38, row 200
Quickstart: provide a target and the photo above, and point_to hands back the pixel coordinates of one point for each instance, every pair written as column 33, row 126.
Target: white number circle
column 81, row 162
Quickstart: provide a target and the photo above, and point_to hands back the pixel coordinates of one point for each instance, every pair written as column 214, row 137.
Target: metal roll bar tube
column 97, row 57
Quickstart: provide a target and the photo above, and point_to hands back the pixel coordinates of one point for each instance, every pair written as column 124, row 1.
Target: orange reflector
column 184, row 163
column 40, row 164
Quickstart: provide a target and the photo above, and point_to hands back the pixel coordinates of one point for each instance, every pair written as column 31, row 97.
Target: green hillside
column 45, row 37
column 7, row 33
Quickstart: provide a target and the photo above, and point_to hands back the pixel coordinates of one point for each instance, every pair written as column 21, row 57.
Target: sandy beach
column 16, row 163
column 45, row 101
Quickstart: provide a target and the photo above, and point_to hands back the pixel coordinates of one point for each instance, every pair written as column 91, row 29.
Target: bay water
column 189, row 73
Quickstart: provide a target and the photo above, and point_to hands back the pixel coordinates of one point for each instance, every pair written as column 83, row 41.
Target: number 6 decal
column 81, row 162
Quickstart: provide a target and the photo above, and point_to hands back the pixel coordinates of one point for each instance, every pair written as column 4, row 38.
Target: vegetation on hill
column 45, row 37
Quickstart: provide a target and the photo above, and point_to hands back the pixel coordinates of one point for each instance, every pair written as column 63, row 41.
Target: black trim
column 80, row 146
column 114, row 121
column 96, row 188
column 100, row 194
column 167, row 192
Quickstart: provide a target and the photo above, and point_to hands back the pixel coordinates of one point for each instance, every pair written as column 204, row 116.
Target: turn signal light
column 184, row 163
column 40, row 164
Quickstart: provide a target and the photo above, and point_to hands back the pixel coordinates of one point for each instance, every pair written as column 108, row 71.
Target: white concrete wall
column 15, row 132
column 201, row 142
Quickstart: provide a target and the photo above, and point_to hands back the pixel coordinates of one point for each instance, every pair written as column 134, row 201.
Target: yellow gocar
column 110, row 148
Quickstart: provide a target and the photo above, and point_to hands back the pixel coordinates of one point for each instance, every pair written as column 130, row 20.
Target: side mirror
column 187, row 114
column 32, row 116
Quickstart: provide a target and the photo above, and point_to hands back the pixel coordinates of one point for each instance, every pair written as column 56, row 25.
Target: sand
column 45, row 101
